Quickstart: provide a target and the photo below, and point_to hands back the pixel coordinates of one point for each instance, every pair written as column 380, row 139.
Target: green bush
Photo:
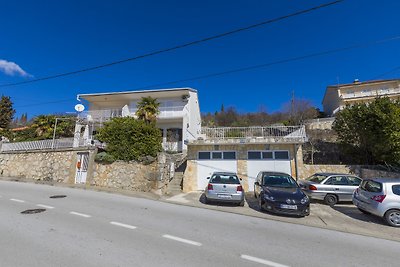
column 103, row 157
column 130, row 139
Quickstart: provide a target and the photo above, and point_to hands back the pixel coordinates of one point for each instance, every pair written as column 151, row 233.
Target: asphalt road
column 88, row 228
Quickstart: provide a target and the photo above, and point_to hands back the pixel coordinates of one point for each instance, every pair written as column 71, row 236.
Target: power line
column 298, row 58
column 176, row 47
column 386, row 73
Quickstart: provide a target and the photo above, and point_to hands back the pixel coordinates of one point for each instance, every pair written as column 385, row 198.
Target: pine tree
column 6, row 112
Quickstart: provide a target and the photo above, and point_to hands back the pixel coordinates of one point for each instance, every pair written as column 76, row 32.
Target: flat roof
column 139, row 92
column 362, row 83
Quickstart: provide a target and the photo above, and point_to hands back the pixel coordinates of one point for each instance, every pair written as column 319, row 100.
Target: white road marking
column 45, row 206
column 17, row 200
column 123, row 225
column 80, row 214
column 262, row 261
column 190, row 242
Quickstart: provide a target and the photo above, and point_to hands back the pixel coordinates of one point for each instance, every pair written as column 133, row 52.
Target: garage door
column 214, row 161
column 257, row 161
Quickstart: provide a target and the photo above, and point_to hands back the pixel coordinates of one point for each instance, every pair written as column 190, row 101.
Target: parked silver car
column 224, row 187
column 380, row 197
column 330, row 187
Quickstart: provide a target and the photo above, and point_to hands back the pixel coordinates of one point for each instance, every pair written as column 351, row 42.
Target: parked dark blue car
column 279, row 193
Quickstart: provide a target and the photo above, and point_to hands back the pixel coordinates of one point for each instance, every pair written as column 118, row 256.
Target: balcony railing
column 107, row 114
column 270, row 134
column 41, row 145
column 371, row 93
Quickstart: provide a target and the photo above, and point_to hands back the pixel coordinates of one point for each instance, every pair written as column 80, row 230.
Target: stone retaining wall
column 307, row 170
column 45, row 165
column 125, row 175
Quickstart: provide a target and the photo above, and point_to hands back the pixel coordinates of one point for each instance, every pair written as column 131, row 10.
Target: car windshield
column 316, row 178
column 284, row 181
column 224, row 179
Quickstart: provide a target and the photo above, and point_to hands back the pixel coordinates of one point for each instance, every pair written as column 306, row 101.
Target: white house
column 339, row 96
column 179, row 117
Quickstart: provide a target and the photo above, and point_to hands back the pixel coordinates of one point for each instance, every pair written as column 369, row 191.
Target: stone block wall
column 359, row 170
column 44, row 165
column 125, row 175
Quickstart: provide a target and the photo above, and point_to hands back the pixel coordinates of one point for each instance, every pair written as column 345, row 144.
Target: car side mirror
column 208, row 178
column 240, row 179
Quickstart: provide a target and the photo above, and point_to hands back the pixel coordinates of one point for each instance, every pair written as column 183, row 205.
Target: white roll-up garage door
column 278, row 161
column 214, row 161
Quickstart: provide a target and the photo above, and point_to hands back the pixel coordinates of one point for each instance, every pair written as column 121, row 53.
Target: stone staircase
column 175, row 185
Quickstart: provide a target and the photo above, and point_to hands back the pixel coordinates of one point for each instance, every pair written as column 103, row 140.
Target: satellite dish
column 79, row 107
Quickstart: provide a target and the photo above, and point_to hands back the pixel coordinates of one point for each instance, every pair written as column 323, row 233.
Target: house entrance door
column 82, row 164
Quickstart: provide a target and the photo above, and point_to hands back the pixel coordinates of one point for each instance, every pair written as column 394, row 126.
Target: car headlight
column 304, row 200
column 268, row 197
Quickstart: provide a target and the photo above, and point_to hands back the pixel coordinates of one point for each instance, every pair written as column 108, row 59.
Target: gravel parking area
column 343, row 217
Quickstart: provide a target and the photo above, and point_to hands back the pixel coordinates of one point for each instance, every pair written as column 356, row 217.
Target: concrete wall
column 45, row 165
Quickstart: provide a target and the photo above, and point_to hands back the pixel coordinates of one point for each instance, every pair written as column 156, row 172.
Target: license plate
column 225, row 196
column 289, row 207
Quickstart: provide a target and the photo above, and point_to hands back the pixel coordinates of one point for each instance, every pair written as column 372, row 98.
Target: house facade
column 179, row 118
column 244, row 150
column 338, row 96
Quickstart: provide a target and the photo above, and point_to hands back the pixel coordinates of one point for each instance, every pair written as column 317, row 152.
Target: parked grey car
column 330, row 187
column 224, row 187
column 380, row 197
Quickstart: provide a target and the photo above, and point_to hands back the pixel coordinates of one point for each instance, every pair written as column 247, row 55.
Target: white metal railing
column 369, row 93
column 40, row 145
column 107, row 114
column 277, row 133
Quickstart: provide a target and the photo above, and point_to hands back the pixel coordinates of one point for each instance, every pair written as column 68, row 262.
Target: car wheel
column 364, row 211
column 206, row 201
column 260, row 204
column 331, row 200
column 241, row 204
column 392, row 217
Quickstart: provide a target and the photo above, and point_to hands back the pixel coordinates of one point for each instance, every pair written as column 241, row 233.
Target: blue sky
column 49, row 37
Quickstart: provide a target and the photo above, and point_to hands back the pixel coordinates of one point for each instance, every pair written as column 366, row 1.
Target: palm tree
column 148, row 109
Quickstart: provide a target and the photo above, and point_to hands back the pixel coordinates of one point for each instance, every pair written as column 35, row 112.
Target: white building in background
column 179, row 118
column 339, row 96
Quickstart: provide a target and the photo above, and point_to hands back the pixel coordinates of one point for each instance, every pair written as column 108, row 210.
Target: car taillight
column 379, row 198
column 313, row 187
column 239, row 188
column 210, row 187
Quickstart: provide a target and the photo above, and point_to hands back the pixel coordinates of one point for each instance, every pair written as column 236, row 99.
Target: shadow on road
column 354, row 213
column 202, row 199
column 253, row 204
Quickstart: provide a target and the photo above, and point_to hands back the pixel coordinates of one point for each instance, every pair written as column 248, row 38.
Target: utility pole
column 292, row 107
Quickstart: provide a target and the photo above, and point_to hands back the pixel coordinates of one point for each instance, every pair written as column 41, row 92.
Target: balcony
column 261, row 135
column 371, row 93
column 100, row 116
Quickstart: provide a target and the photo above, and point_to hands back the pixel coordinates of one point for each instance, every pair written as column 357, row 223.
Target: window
column 339, row 180
column 396, row 189
column 281, row 155
column 371, row 186
column 354, row 180
column 284, row 181
column 221, row 155
column 267, row 155
column 229, row 155
column 253, row 155
column 316, row 178
column 204, row 155
column 221, row 178
column 217, row 155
